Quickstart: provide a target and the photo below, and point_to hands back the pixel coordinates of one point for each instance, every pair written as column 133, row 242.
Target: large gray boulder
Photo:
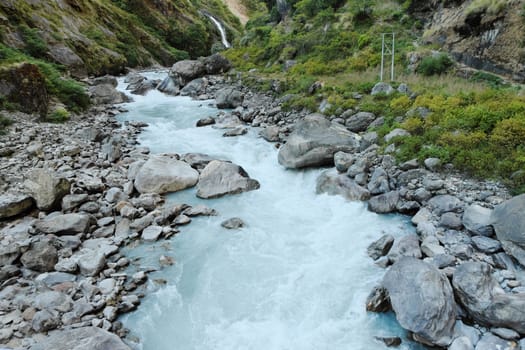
column 508, row 220
column 66, row 224
column 47, row 188
column 186, row 70
column 86, row 338
column 12, row 204
column 106, row 94
column 445, row 203
column 314, row 142
column 228, row 98
column 216, row 64
column 484, row 300
column 169, row 86
column 422, row 300
column 360, row 121
column 477, row 220
column 384, row 203
column 220, row 178
column 340, row 184
column 41, row 256
column 62, row 54
column 165, row 173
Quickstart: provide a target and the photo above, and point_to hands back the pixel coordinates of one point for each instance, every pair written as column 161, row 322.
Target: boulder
column 339, row 184
column 195, row 87
column 9, row 254
column 106, row 94
column 169, row 86
column 491, row 342
column 343, row 161
column 360, row 121
column 509, row 223
column 151, row 233
column 314, row 142
column 384, row 203
column 85, row 338
column 381, row 247
column 65, row 224
column 405, row 246
column 396, row 133
column 90, row 261
column 270, row 133
column 41, row 256
column 232, row 223
column 422, row 300
column 220, row 178
column 13, row 204
column 47, row 188
column 228, row 98
column 186, row 70
column 216, row 64
column 378, row 183
column 484, row 300
column 477, row 220
column 165, row 173
column 63, row 55
column 445, row 203
column 382, row 88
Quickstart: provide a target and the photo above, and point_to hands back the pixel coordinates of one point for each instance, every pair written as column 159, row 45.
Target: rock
column 509, row 223
column 216, row 64
column 238, row 131
column 314, row 142
column 382, row 88
column 486, row 244
column 233, row 223
column 381, row 247
column 220, row 178
column 384, row 203
column 270, row 133
column 423, row 215
column 106, row 94
column 110, row 313
column 45, row 320
column 378, row 300
column 339, row 184
column 390, row 341
column 482, row 297
column 477, row 220
column 343, row 161
column 451, row 220
column 9, row 254
column 195, row 87
column 368, row 139
column 199, row 210
column 47, row 188
column 85, row 338
column 53, row 300
column 164, row 173
column 228, row 98
column 407, row 245
column 151, row 233
column 186, row 70
column 66, row 224
column 41, row 256
column 360, row 121
column 12, row 204
column 505, row 333
column 490, row 342
column 72, row 201
column 90, row 262
column 430, row 247
column 409, row 164
column 378, row 183
column 205, row 121
column 445, row 203
column 111, row 149
column 461, row 343
column 432, row 164
column 396, row 133
column 432, row 317
column 169, row 86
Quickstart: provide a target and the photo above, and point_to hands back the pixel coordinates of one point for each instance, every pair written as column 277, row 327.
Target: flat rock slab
column 87, row 338
column 14, row 204
column 220, row 178
column 67, row 224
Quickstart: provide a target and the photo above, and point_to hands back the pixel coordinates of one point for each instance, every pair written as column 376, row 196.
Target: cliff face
column 483, row 35
column 104, row 36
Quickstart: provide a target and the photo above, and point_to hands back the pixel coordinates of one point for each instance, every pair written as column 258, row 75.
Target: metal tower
column 387, row 49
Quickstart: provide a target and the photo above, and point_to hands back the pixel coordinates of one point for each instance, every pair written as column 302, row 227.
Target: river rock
column 205, row 122
column 509, row 223
column 151, row 233
column 195, row 87
column 486, row 244
column 382, row 88
column 216, row 64
column 106, row 94
column 314, row 142
column 378, row 300
column 72, row 201
column 477, row 220
column 164, row 173
column 339, row 184
column 41, row 256
column 445, row 203
column 237, row 131
column 360, row 121
column 381, row 247
column 53, row 300
column 461, row 343
column 90, row 262
column 169, row 86
column 384, row 203
column 270, row 133
column 186, row 70
column 65, row 224
column 85, row 338
column 47, row 188
column 12, row 204
column 432, row 317
column 378, row 183
column 232, row 223
column 220, row 178
column 408, row 246
column 45, row 320
column 343, row 161
column 485, row 301
column 9, row 254
column 491, row 342
column 228, row 98
column 451, row 220
column 396, row 133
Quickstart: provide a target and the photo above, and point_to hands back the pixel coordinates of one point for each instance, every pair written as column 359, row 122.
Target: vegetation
column 4, row 123
column 59, row 115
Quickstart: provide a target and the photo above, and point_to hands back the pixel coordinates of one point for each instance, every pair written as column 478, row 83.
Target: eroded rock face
column 508, row 220
column 86, row 338
column 165, row 173
column 220, row 178
column 422, row 299
column 314, row 142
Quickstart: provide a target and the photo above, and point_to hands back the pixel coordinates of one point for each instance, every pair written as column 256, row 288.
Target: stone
column 270, row 133
column 477, row 220
column 9, row 254
column 111, row 149
column 368, row 139
column 505, row 333
column 409, row 164
column 314, row 142
column 407, row 245
column 509, row 223
column 480, row 294
column 384, row 203
column 84, row 338
column 339, row 184
column 378, row 183
column 422, row 195
column 486, row 244
column 41, row 256
column 47, row 188
column 491, row 342
column 423, row 215
column 220, row 178
column 431, row 247
column 343, row 161
column 53, row 300
column 151, row 233
column 431, row 184
column 106, row 94
column 228, row 98
column 71, row 201
column 445, row 203
column 378, row 300
column 390, row 341
column 432, row 164
column 433, row 316
column 199, row 210
column 66, row 224
column 186, row 70
column 237, row 131
column 165, row 173
column 110, row 313
column 232, row 223
column 51, row 279
column 90, row 262
column 45, row 320
column 461, row 343
column 195, row 87
column 205, row 121
column 396, row 133
column 360, row 121
column 381, row 247
column 169, row 86
column 216, row 64
column 12, row 204
column 382, row 88
column 451, row 220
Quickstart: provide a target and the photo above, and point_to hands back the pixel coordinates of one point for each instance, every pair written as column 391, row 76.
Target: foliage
column 490, row 6
column 59, row 115
column 4, row 123
column 34, row 44
column 434, row 65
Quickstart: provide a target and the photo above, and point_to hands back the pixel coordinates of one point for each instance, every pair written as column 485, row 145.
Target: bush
column 34, row 44
column 59, row 115
column 434, row 65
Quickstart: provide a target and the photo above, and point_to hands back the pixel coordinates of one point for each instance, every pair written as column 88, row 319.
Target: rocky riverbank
column 75, row 193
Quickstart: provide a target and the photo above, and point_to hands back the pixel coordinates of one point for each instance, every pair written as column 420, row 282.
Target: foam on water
column 296, row 277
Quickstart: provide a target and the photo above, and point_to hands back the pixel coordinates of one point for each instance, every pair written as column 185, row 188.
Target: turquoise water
column 296, row 277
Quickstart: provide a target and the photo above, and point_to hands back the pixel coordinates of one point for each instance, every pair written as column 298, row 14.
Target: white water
column 295, row 278
column 222, row 31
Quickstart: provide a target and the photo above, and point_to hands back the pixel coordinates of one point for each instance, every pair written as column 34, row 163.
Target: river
column 295, row 277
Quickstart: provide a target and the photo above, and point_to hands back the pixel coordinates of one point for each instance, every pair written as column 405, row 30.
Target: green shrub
column 34, row 44
column 59, row 115
column 434, row 65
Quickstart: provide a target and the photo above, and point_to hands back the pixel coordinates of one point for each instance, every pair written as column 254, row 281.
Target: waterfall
column 283, row 7
column 221, row 29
